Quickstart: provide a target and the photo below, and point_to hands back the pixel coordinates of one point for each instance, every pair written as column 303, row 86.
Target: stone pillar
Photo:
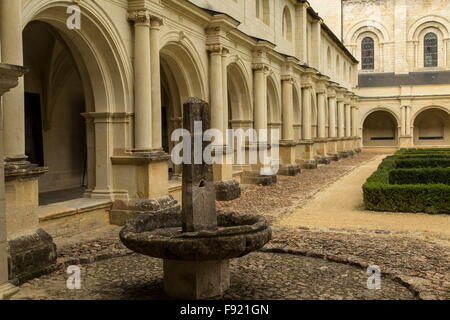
column 301, row 41
column 142, row 81
column 306, row 112
column 225, row 94
column 155, row 25
column 260, row 99
column 332, row 115
column 287, row 145
column 226, row 187
column 341, row 118
column 288, row 109
column 216, row 89
column 321, row 98
column 13, row 101
column 406, row 139
column 260, row 126
column 348, row 121
column 31, row 249
column 8, row 79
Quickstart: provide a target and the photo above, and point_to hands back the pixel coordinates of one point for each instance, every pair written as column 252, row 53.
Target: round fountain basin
column 160, row 236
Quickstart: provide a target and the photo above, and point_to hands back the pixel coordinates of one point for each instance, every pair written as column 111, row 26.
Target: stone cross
column 199, row 196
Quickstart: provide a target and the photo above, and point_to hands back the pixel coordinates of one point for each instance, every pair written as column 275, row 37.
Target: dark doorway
column 33, row 129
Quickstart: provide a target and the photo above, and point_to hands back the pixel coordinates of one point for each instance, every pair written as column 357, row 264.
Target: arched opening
column 287, row 24
column 239, row 104
column 432, row 127
column 380, row 129
column 73, row 72
column 179, row 80
column 55, row 131
column 263, row 10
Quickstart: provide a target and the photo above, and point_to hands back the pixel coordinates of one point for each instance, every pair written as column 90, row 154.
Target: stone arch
column 97, row 48
column 431, row 21
column 181, row 78
column 431, row 126
column 367, row 26
column 105, row 86
column 239, row 97
column 380, row 128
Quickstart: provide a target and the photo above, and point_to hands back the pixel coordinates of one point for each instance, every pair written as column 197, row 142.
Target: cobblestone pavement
column 299, row 263
column 279, row 277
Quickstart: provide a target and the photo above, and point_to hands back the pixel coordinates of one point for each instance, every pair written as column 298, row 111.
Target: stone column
column 225, row 93
column 321, row 114
column 332, row 116
column 403, row 120
column 13, row 101
column 216, row 89
column 30, row 249
column 287, row 146
column 341, row 118
column 288, row 109
column 142, row 81
column 348, row 121
column 8, row 79
column 155, row 25
column 260, row 99
column 306, row 112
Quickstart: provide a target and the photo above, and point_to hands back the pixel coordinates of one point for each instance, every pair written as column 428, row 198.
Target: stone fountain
column 198, row 242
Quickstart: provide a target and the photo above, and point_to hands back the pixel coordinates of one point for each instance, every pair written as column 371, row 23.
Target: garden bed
column 419, row 183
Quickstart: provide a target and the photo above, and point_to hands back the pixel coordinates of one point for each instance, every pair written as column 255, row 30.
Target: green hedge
column 422, row 163
column 424, row 151
column 432, row 198
column 420, row 176
column 380, row 195
column 423, row 156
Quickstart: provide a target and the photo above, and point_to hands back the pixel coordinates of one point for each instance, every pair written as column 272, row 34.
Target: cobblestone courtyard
column 307, row 259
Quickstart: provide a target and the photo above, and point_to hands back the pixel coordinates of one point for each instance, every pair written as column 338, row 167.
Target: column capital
column 216, row 48
column 140, row 16
column 288, row 78
column 260, row 67
column 156, row 22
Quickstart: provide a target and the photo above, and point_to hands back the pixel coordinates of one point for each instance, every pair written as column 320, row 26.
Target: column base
column 334, row 156
column 323, row 160
column 406, row 142
column 123, row 211
column 255, row 177
column 31, row 256
column 290, row 170
column 196, row 280
column 7, row 290
column 227, row 190
column 309, row 164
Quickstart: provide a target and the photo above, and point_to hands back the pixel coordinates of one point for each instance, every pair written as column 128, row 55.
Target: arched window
column 287, row 24
column 430, row 47
column 367, row 54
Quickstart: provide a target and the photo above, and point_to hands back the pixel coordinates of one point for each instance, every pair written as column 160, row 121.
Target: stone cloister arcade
column 89, row 134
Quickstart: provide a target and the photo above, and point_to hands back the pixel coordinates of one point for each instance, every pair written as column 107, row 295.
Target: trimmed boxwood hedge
column 422, row 151
column 422, row 163
column 420, row 176
column 380, row 195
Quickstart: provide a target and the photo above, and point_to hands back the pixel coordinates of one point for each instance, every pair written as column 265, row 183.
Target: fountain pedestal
column 196, row 280
column 198, row 243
